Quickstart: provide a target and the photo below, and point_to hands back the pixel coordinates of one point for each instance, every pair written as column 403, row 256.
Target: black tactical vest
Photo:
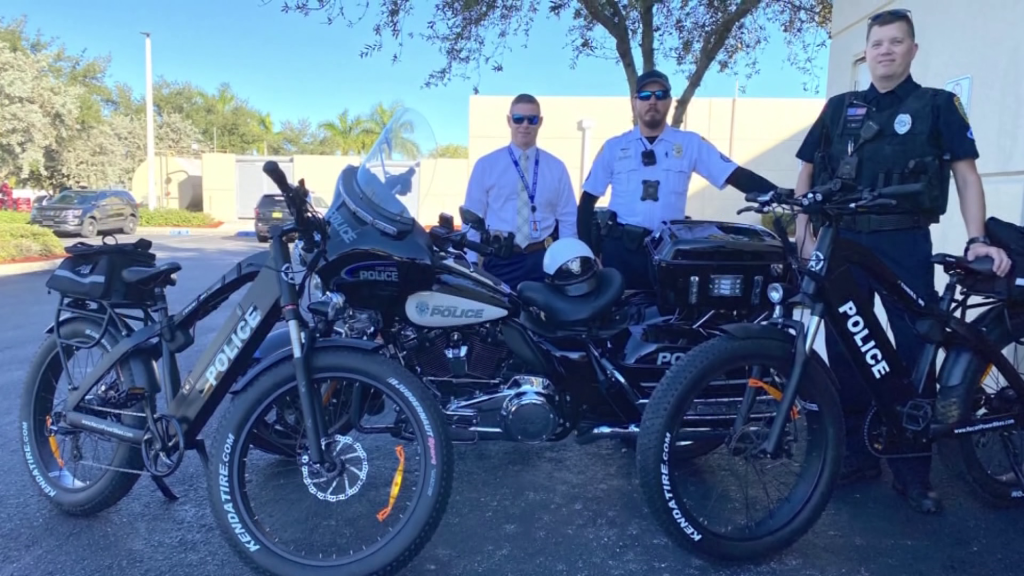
column 906, row 149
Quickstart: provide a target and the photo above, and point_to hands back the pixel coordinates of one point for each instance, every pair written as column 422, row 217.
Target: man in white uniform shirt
column 649, row 170
column 522, row 190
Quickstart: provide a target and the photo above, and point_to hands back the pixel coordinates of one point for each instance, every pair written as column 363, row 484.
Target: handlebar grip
column 482, row 249
column 752, row 196
column 900, row 190
column 277, row 176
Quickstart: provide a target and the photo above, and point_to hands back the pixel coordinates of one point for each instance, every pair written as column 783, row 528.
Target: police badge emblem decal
column 574, row 266
column 902, row 123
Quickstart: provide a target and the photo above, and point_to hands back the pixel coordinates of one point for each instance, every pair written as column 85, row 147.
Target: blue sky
column 299, row 67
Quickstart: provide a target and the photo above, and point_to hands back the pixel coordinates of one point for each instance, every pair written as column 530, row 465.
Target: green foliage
column 24, row 241
column 9, row 217
column 63, row 124
column 173, row 217
column 449, row 151
column 788, row 219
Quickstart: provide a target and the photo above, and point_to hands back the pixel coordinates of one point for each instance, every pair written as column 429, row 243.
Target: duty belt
column 533, row 246
column 632, row 236
column 882, row 222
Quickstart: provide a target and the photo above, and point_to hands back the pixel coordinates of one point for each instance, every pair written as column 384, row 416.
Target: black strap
column 884, row 222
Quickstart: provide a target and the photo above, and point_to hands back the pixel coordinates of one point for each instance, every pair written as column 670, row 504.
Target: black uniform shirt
column 950, row 117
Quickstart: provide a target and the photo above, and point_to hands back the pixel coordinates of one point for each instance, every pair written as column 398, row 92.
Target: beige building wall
column 759, row 133
column 953, row 43
column 762, row 134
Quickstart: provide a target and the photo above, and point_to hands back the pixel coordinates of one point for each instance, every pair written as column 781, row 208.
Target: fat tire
column 113, row 485
column 958, row 454
column 683, row 382
column 423, row 521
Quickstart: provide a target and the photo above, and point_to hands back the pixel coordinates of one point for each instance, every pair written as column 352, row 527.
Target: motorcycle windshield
column 397, row 170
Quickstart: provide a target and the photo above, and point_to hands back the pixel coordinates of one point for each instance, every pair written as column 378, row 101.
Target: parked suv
column 272, row 209
column 88, row 212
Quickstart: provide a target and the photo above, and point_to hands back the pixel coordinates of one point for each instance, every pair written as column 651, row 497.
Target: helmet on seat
column 571, row 267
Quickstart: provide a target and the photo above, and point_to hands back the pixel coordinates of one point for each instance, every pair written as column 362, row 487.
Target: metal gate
column 251, row 183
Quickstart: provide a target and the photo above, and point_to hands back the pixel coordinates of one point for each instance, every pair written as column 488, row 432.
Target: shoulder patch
column 960, row 108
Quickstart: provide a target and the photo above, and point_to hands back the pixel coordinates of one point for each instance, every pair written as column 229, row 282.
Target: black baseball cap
column 653, row 76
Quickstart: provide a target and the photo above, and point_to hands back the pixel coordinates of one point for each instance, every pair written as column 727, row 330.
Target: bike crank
column 162, row 446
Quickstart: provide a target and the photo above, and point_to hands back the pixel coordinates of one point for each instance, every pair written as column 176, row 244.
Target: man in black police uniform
column 922, row 134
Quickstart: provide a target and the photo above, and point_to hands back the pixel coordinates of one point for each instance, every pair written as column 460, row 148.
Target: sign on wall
column 962, row 87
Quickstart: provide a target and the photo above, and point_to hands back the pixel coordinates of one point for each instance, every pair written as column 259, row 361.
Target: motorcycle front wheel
column 377, row 502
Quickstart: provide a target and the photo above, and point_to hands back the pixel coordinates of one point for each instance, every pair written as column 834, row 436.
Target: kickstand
column 201, row 450
column 164, row 489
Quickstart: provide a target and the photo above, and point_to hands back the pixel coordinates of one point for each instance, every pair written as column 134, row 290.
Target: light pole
column 150, row 144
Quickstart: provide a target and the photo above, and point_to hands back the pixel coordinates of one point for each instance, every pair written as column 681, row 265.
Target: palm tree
column 401, row 141
column 266, row 126
column 344, row 133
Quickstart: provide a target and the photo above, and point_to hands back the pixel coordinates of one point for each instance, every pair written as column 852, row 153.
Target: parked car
column 271, row 209
column 88, row 212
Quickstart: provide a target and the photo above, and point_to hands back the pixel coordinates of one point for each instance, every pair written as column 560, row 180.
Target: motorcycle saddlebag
column 1009, row 237
column 93, row 271
column 703, row 266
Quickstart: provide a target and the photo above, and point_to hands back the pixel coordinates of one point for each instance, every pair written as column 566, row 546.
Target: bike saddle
column 559, row 308
column 162, row 275
column 982, row 265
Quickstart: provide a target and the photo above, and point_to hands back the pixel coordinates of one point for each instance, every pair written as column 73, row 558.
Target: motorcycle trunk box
column 703, row 266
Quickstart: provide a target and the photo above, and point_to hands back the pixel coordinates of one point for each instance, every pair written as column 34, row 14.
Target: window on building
column 861, row 75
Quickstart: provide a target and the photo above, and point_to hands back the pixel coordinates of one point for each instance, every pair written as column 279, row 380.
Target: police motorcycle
column 536, row 364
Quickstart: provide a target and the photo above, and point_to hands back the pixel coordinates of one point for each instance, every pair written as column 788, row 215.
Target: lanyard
column 531, row 192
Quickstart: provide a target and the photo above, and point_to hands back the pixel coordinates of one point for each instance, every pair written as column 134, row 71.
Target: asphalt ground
column 516, row 510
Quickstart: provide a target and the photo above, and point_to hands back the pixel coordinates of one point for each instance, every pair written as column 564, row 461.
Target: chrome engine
column 526, row 410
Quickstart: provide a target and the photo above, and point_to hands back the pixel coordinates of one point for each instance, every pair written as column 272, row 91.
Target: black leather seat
column 561, row 309
column 162, row 275
column 982, row 265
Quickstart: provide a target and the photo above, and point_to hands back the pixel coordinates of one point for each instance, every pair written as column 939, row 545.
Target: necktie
column 523, row 230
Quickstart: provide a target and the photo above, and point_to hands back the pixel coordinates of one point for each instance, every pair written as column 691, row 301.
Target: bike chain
column 115, row 441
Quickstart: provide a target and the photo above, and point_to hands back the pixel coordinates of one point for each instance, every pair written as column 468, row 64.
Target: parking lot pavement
column 515, row 510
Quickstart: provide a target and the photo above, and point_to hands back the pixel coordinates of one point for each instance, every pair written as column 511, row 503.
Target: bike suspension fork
column 803, row 350
column 312, row 413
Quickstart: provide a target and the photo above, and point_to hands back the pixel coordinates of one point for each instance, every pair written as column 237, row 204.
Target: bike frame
column 830, row 290
column 272, row 293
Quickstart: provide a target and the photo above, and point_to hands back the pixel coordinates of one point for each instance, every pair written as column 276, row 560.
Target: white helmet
column 570, row 265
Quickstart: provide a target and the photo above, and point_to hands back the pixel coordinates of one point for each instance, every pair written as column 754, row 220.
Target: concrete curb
column 26, row 267
column 154, row 231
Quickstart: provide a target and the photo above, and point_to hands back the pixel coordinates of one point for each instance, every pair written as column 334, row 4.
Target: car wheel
column 89, row 228
column 131, row 225
column 263, row 239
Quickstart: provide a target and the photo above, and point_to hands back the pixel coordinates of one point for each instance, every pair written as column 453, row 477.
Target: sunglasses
column 532, row 119
column 897, row 12
column 659, row 95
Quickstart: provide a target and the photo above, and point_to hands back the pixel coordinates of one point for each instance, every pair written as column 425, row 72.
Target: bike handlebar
column 833, row 195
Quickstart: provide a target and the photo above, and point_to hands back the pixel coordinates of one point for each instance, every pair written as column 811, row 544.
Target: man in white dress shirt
column 523, row 190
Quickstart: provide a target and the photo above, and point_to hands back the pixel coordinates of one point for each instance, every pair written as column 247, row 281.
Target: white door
column 861, row 75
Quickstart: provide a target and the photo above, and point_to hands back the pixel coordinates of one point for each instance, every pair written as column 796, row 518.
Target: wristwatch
column 975, row 240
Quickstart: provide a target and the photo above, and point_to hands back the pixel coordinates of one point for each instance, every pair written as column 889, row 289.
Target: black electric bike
column 323, row 386
column 782, row 360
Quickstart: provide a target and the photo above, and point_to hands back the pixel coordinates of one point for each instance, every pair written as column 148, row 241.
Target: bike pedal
column 917, row 415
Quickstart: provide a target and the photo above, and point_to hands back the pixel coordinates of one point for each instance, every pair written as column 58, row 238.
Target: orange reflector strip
column 773, row 392
column 396, row 484
column 53, row 445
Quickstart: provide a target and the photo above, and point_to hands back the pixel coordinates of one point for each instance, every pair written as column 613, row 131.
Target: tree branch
column 711, row 45
column 647, row 34
column 615, row 24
